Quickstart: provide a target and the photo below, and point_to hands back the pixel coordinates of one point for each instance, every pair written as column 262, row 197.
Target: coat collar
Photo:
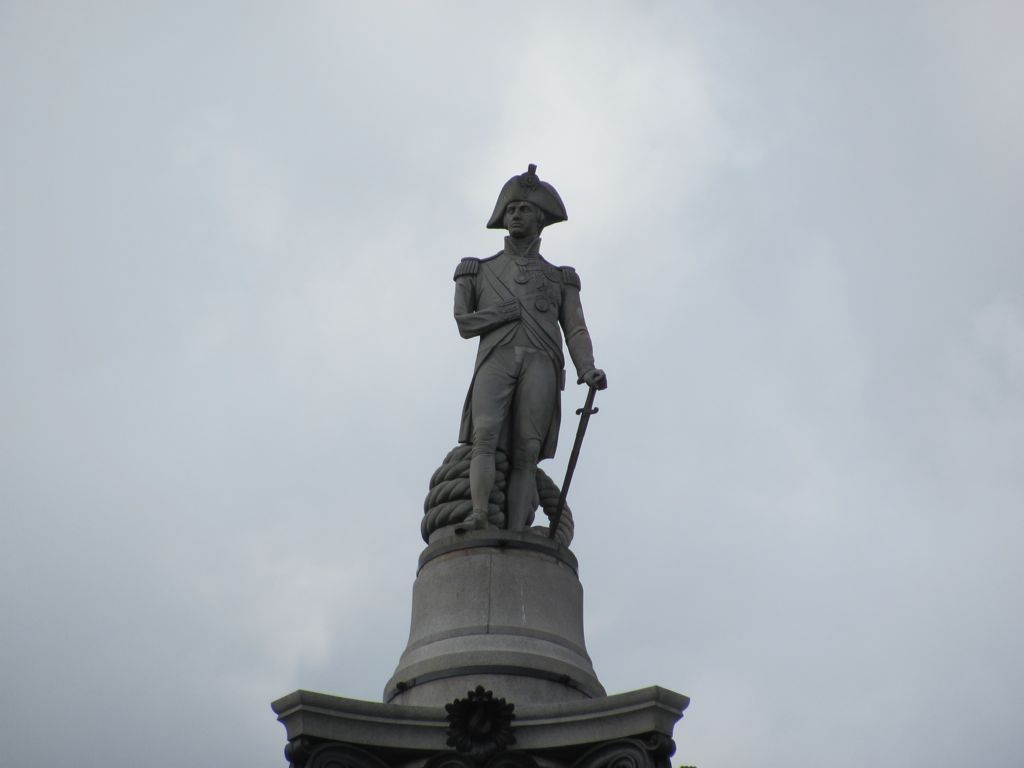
column 532, row 250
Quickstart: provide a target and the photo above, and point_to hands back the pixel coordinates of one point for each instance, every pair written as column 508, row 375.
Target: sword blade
column 584, row 413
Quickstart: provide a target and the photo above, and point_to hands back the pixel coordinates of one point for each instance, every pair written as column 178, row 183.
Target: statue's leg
column 492, row 394
column 522, row 485
column 481, row 474
column 532, row 410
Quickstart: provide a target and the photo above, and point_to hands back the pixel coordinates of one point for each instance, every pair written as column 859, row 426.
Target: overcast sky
column 228, row 365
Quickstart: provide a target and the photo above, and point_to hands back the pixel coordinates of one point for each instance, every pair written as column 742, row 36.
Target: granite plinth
column 501, row 609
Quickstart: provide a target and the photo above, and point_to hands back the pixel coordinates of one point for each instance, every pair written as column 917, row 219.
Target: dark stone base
column 628, row 730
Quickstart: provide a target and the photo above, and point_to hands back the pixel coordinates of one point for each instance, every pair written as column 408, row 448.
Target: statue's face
column 522, row 219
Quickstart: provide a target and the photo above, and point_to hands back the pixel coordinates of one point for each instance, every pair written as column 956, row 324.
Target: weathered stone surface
column 518, row 305
column 559, row 733
column 500, row 609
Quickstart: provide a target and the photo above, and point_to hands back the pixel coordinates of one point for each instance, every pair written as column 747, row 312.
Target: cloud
column 227, row 242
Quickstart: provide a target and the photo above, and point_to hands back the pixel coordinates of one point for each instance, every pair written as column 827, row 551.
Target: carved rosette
column 480, row 725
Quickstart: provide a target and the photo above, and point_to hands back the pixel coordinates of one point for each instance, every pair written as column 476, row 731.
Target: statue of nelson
column 519, row 305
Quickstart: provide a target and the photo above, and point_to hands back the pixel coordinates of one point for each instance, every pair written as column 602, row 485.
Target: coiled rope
column 448, row 499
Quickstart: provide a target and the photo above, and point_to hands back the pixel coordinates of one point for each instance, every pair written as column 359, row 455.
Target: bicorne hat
column 526, row 186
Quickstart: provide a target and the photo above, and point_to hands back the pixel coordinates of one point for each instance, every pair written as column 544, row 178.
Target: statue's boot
column 481, row 480
column 522, row 496
column 477, row 520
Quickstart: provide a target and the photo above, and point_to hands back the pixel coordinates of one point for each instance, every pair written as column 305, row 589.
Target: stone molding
column 627, row 730
column 528, row 540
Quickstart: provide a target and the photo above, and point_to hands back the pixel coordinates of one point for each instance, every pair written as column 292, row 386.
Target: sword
column 584, row 413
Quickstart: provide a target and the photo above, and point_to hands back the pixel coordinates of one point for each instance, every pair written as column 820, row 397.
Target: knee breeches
column 515, row 389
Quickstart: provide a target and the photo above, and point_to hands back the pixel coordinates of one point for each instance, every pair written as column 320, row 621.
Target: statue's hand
column 595, row 378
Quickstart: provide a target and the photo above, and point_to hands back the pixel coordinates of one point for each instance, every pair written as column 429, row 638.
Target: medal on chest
column 540, row 280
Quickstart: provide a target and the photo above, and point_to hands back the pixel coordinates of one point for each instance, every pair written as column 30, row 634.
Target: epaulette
column 569, row 277
column 468, row 266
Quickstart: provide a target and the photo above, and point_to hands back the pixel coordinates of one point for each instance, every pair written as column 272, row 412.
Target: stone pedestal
column 499, row 609
column 497, row 620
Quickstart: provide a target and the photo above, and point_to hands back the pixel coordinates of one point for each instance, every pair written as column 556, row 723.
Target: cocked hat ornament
column 527, row 186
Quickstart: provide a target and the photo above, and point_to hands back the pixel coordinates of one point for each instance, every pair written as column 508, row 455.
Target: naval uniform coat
column 519, row 298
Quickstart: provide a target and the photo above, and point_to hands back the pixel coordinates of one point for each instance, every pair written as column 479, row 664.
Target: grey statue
column 519, row 305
